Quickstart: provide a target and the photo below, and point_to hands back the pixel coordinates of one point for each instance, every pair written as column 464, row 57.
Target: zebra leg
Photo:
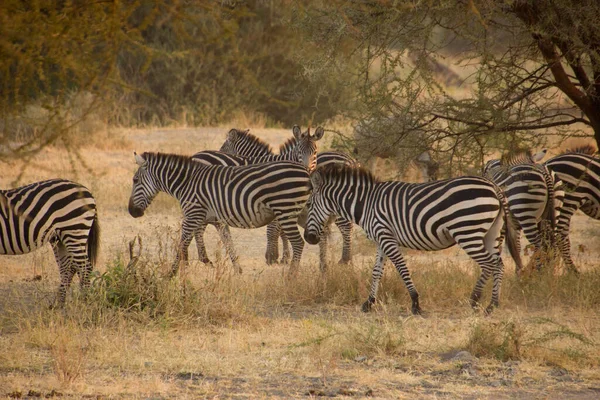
column 377, row 274
column 285, row 246
column 563, row 227
column 345, row 228
column 66, row 271
column 290, row 229
column 226, row 238
column 323, row 240
column 272, row 253
column 393, row 252
column 498, row 275
column 191, row 223
column 200, row 245
column 533, row 234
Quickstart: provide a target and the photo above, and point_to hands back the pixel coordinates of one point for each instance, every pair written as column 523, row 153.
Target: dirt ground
column 284, row 349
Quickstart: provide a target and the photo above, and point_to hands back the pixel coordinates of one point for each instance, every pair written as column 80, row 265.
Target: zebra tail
column 549, row 214
column 511, row 236
column 93, row 243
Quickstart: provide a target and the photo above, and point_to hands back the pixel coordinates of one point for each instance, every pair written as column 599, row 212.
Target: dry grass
column 211, row 333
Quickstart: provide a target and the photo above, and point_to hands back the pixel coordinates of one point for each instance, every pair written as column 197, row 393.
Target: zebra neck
column 174, row 181
column 351, row 202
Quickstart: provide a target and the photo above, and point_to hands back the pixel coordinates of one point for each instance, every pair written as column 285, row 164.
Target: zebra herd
column 246, row 185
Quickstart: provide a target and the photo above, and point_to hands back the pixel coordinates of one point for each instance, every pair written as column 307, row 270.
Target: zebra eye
column 136, row 179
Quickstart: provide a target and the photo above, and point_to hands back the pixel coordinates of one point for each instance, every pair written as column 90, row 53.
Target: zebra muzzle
column 134, row 211
column 311, row 237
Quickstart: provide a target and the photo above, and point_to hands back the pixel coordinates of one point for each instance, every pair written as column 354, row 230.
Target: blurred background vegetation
column 462, row 79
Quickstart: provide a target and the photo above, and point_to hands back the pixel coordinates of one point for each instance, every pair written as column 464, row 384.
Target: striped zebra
column 579, row 170
column 245, row 144
column 469, row 211
column 57, row 211
column 303, row 151
column 243, row 197
column 534, row 197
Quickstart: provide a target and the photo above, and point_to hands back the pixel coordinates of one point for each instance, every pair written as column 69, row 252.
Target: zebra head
column 304, row 149
column 144, row 188
column 319, row 207
column 243, row 143
column 491, row 167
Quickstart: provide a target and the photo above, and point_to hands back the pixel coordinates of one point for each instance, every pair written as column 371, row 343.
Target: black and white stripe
column 245, row 144
column 534, row 197
column 304, row 152
column 243, row 197
column 468, row 211
column 57, row 211
column 579, row 170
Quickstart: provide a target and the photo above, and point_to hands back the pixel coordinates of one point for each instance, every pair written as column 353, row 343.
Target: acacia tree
column 464, row 77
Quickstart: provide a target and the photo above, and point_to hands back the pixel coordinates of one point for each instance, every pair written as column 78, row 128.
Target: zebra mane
column 177, row 159
column 585, row 149
column 254, row 140
column 341, row 171
column 517, row 157
column 288, row 145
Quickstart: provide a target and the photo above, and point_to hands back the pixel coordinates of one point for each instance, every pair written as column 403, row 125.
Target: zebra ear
column 316, row 180
column 139, row 160
column 537, row 157
column 296, row 131
column 319, row 133
column 232, row 135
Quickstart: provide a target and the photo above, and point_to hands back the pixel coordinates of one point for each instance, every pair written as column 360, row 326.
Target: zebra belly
column 261, row 216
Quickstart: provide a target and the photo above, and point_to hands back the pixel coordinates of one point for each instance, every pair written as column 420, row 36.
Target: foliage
column 158, row 63
column 462, row 78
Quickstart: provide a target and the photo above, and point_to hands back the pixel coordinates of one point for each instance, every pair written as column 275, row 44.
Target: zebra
column 303, row 151
column 579, row 170
column 534, row 197
column 243, row 197
column 59, row 212
column 245, row 144
column 469, row 211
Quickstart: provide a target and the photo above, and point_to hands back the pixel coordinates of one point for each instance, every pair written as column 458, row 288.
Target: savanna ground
column 211, row 333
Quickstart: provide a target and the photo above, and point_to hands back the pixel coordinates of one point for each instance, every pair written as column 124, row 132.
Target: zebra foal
column 56, row 211
column 534, row 195
column 243, row 197
column 245, row 144
column 468, row 211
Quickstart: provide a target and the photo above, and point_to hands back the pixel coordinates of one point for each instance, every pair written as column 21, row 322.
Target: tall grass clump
column 549, row 288
column 539, row 339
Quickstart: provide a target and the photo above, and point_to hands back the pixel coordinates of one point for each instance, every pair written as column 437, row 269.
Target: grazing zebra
column 57, row 211
column 243, row 197
column 468, row 211
column 579, row 170
column 534, row 197
column 245, row 144
column 303, row 151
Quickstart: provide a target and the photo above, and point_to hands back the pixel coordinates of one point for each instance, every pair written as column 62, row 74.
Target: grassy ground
column 210, row 333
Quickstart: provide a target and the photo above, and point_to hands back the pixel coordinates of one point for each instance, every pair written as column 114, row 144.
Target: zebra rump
column 579, row 171
column 57, row 211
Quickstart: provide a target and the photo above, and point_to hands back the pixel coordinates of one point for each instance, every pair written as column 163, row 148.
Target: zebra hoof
column 367, row 305
column 489, row 309
column 344, row 262
column 416, row 310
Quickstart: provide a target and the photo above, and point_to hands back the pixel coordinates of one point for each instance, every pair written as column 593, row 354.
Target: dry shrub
column 500, row 340
column 541, row 339
column 373, row 339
